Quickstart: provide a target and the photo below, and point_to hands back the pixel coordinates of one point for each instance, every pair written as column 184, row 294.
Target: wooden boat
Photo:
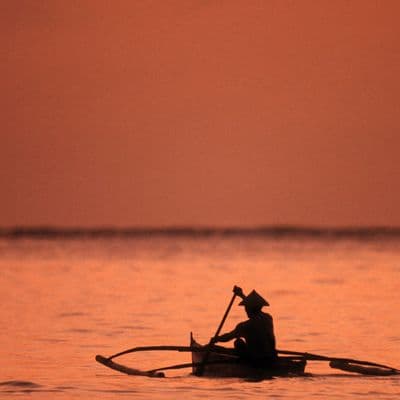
column 221, row 362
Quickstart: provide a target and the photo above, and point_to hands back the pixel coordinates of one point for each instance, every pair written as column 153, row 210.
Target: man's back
column 258, row 331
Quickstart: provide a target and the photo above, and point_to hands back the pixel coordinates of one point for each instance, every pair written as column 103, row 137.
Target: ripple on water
column 50, row 340
column 329, row 281
column 23, row 384
column 20, row 386
column 72, row 314
column 17, row 386
column 79, row 330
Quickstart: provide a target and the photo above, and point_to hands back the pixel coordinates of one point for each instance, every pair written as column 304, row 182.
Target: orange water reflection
column 63, row 302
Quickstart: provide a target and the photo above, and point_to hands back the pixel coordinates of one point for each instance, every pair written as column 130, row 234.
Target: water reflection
column 64, row 301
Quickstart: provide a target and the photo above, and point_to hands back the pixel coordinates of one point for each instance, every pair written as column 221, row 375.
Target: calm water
column 64, row 301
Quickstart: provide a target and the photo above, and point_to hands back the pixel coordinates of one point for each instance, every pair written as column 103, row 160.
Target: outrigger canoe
column 217, row 361
column 223, row 363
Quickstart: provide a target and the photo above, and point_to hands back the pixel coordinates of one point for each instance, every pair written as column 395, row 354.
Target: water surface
column 63, row 301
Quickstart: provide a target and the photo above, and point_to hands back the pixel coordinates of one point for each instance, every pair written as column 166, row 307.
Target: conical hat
column 254, row 300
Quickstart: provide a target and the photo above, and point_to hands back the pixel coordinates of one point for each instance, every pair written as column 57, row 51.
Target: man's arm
column 233, row 334
column 226, row 337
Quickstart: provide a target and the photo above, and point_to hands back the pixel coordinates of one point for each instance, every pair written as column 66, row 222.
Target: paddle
column 200, row 370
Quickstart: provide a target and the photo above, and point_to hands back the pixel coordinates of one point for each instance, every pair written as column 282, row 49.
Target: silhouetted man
column 255, row 339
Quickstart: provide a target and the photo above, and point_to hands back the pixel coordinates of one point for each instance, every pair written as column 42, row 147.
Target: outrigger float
column 216, row 361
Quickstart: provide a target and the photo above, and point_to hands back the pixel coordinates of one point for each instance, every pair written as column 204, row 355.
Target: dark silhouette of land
column 50, row 232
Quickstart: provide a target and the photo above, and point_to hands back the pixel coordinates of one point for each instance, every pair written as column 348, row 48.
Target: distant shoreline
column 49, row 232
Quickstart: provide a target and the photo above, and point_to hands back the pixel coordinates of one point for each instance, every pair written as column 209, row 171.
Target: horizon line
column 48, row 231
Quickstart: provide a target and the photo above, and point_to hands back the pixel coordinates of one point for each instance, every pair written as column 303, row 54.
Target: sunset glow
column 200, row 113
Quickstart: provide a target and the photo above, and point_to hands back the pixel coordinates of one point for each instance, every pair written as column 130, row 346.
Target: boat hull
column 222, row 362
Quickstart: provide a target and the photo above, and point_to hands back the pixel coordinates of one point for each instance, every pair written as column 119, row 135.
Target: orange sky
column 200, row 112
